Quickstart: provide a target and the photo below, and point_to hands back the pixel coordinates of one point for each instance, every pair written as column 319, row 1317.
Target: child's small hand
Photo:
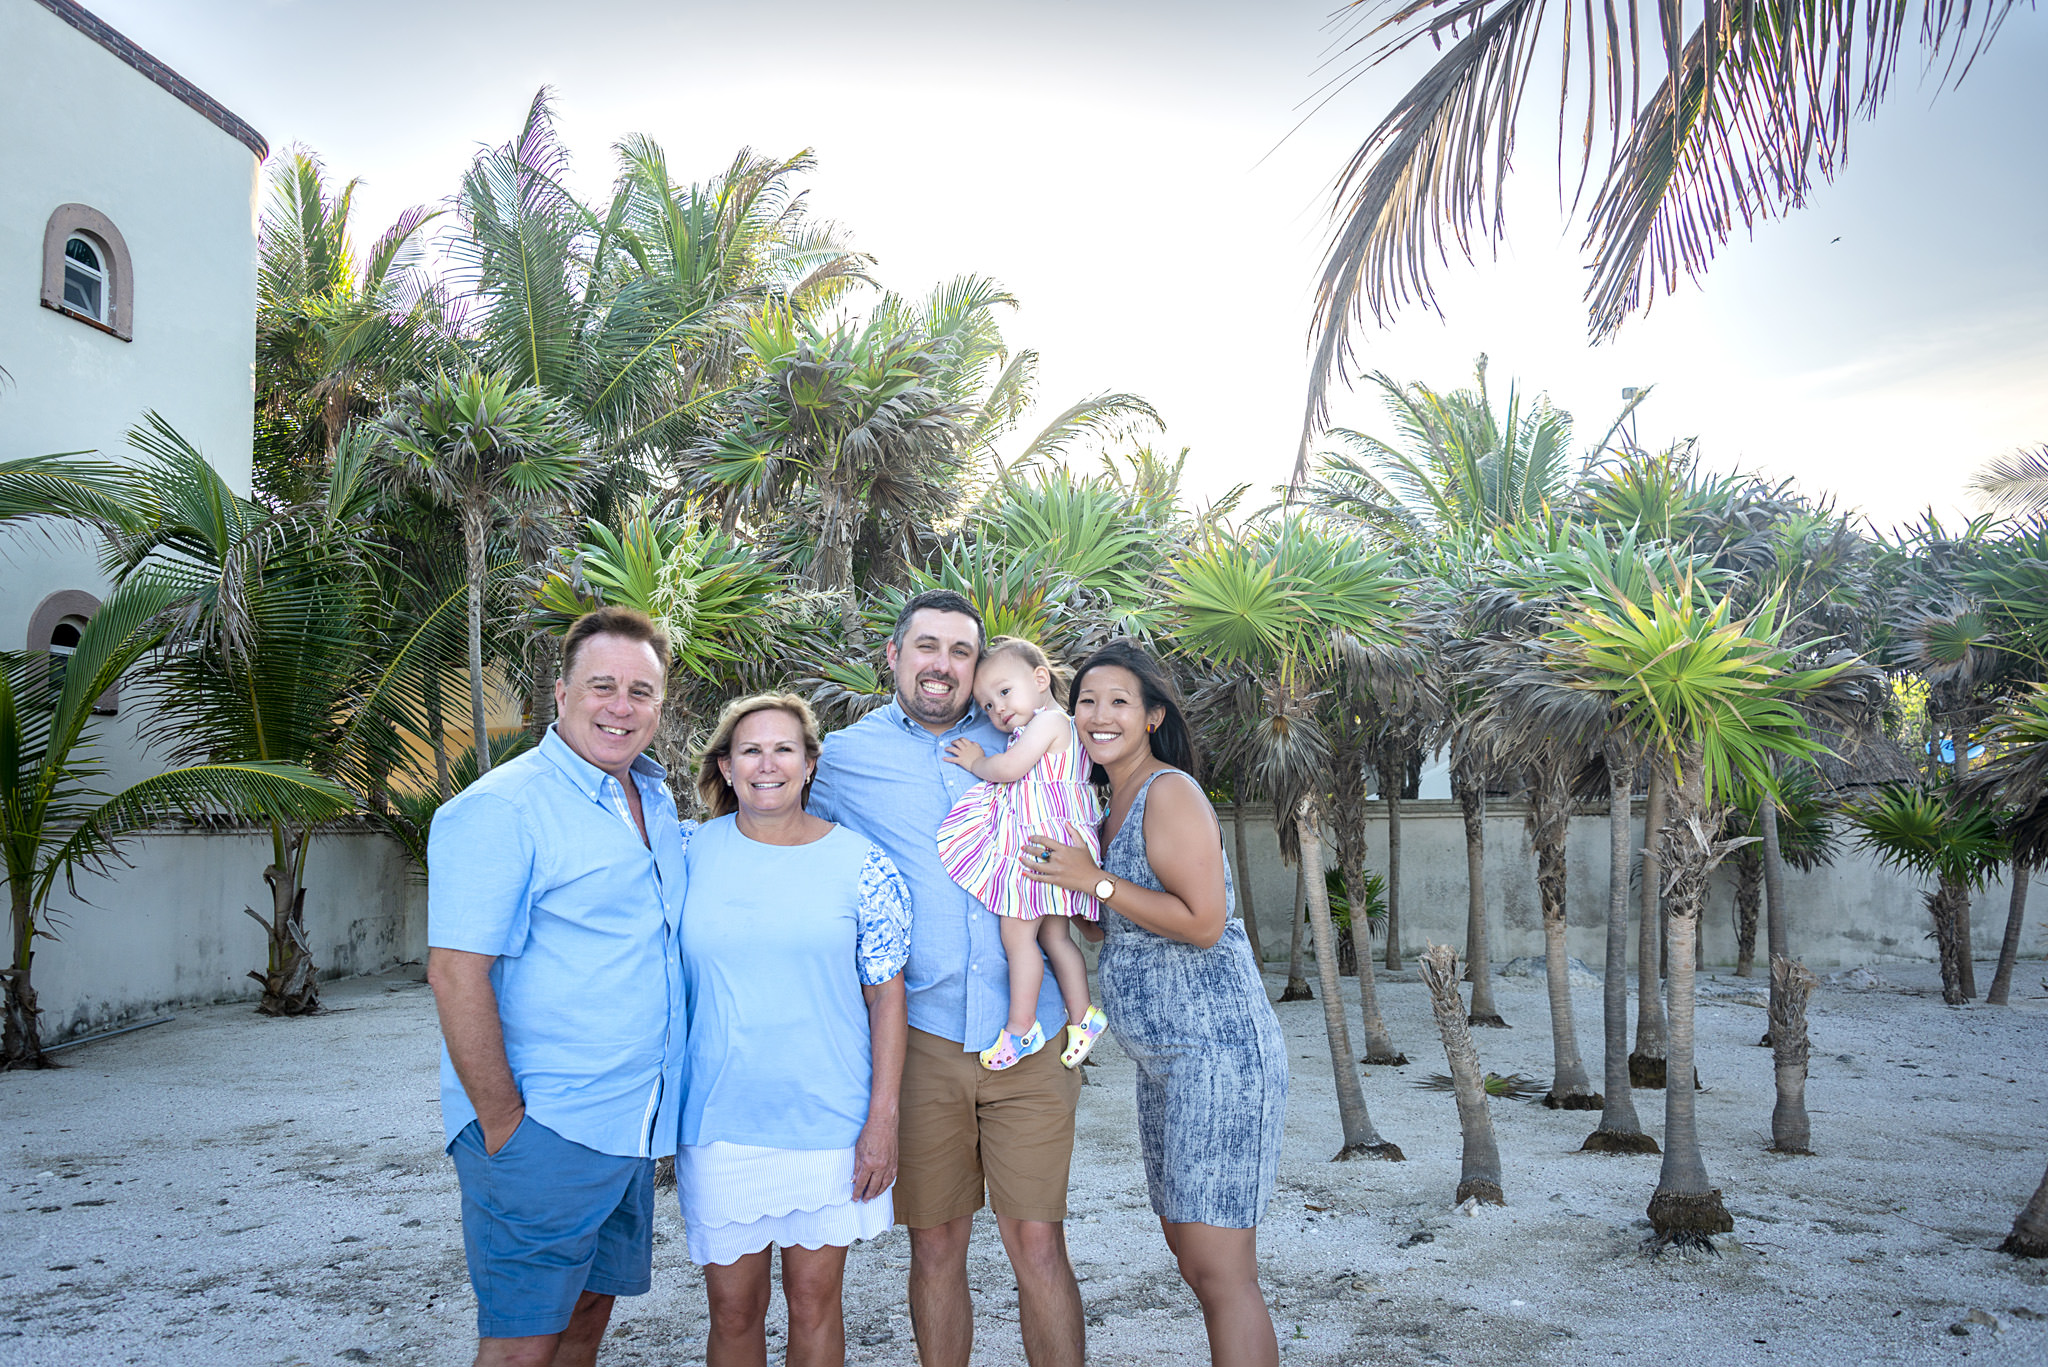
column 965, row 753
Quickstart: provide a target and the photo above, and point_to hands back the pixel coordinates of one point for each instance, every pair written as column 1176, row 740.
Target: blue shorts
column 544, row 1220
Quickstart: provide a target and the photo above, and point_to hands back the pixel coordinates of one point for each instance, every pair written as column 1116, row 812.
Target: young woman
column 1182, row 993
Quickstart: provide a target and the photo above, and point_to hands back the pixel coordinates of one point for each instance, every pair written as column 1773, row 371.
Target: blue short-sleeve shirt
column 887, row 777
column 777, row 942
column 538, row 864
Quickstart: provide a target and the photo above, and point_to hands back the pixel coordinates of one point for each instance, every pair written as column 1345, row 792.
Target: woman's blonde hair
column 1033, row 658
column 712, row 789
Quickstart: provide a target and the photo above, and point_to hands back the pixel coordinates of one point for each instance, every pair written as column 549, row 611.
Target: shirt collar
column 587, row 776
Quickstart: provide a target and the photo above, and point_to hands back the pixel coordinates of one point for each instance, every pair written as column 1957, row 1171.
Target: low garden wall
column 168, row 931
column 1856, row 911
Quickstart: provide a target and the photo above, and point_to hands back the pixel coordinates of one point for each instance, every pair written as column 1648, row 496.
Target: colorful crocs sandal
column 1009, row 1048
column 1081, row 1038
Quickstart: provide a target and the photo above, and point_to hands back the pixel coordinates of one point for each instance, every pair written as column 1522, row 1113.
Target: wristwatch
column 1105, row 887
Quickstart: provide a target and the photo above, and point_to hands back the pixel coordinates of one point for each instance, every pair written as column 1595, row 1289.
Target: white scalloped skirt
column 738, row 1199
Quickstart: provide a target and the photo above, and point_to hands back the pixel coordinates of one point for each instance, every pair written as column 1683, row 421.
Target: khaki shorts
column 964, row 1127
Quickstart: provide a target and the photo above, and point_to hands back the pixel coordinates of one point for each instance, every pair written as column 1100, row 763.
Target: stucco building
column 128, row 219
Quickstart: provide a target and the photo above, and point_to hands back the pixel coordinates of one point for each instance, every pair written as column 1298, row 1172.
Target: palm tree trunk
column 1686, row 1209
column 1297, row 989
column 291, row 986
column 1777, row 911
column 1361, row 1140
column 1791, row 987
column 1749, row 889
column 21, row 1036
column 1570, row 1088
column 437, row 737
column 540, row 694
column 1395, row 759
column 1478, row 964
column 1479, row 1173
column 1243, row 881
column 1646, row 1064
column 1379, row 1045
column 475, row 528
column 2015, row 919
column 832, row 561
column 1620, row 1131
column 1948, row 932
column 1966, row 967
column 2029, row 1237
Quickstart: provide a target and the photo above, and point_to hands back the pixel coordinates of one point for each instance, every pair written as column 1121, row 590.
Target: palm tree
column 276, row 653
column 1342, row 720
column 493, row 453
column 1277, row 603
column 1956, row 843
column 55, row 822
column 336, row 332
column 1479, row 1176
column 1791, row 985
column 1745, row 106
column 1709, row 696
column 2017, row 777
column 631, row 316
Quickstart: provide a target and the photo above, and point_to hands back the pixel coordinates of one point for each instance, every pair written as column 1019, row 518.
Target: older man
column 557, row 880
column 964, row 1130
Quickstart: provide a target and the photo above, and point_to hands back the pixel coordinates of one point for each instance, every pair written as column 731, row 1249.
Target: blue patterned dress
column 1212, row 1066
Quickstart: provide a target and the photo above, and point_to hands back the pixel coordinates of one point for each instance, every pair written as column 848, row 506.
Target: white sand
column 226, row 1189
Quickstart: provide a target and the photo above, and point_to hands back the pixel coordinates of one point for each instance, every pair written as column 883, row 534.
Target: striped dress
column 980, row 838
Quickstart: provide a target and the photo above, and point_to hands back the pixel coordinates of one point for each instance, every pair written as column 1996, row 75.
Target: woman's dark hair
column 1173, row 743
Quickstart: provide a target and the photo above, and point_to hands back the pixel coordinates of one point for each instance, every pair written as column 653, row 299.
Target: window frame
column 117, row 271
column 65, row 605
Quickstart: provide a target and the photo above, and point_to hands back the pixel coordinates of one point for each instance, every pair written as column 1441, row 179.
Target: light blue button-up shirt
column 538, row 864
column 887, row 777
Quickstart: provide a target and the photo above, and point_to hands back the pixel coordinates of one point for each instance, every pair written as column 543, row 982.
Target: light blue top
column 538, row 864
column 777, row 942
column 887, row 777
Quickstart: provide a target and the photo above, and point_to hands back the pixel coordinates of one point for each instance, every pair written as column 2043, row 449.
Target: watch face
column 1105, row 888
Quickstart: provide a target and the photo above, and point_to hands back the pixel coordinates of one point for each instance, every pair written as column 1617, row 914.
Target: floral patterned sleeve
column 883, row 909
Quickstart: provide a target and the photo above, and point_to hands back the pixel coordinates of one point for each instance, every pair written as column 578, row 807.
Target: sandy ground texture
column 226, row 1189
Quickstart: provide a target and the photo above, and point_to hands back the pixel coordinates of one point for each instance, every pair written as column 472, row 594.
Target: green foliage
column 1806, row 830
column 1694, row 681
column 712, row 595
column 1925, row 833
column 1340, row 900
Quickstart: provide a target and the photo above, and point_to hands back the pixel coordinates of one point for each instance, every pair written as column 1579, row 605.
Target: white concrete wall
column 170, row 932
column 79, row 125
column 1854, row 912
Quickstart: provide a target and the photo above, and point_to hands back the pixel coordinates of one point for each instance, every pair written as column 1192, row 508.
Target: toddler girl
column 1038, row 786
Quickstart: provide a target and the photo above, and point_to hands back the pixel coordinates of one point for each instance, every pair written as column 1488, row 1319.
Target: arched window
column 85, row 278
column 87, row 274
column 55, row 629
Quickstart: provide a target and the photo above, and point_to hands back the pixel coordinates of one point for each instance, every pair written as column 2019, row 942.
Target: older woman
column 794, row 936
column 1182, row 993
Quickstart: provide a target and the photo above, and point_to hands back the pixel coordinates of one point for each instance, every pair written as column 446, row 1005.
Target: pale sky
column 1109, row 163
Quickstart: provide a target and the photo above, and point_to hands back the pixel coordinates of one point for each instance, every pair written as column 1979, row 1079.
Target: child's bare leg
column 1069, row 969
column 1027, row 970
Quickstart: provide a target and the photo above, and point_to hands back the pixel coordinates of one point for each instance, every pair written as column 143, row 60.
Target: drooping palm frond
column 2016, row 482
column 69, row 485
column 1746, row 106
